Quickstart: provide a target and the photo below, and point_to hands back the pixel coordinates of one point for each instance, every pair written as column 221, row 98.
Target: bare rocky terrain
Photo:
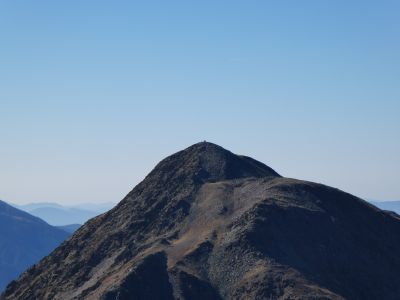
column 209, row 224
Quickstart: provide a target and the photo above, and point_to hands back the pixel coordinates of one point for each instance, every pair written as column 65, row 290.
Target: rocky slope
column 24, row 240
column 208, row 224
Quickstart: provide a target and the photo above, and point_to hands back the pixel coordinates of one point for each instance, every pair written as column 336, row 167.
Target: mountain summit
column 207, row 162
column 209, row 224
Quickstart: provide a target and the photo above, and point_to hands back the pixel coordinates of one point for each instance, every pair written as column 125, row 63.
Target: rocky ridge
column 209, row 224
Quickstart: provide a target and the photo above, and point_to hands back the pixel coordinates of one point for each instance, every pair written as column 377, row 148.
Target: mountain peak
column 208, row 162
column 188, row 231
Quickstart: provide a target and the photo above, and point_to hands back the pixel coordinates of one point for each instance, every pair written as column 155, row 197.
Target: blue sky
column 94, row 93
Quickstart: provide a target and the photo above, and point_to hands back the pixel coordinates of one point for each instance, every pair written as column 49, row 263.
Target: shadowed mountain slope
column 24, row 240
column 208, row 224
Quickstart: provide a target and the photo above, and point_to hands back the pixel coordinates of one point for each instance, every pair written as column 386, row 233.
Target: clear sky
column 94, row 93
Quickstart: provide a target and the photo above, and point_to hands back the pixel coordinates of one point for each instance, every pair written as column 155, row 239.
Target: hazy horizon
column 93, row 94
column 69, row 204
column 115, row 201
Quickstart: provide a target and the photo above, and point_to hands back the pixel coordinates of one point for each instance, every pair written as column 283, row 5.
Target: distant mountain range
column 388, row 205
column 24, row 240
column 59, row 215
column 27, row 234
column 70, row 228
